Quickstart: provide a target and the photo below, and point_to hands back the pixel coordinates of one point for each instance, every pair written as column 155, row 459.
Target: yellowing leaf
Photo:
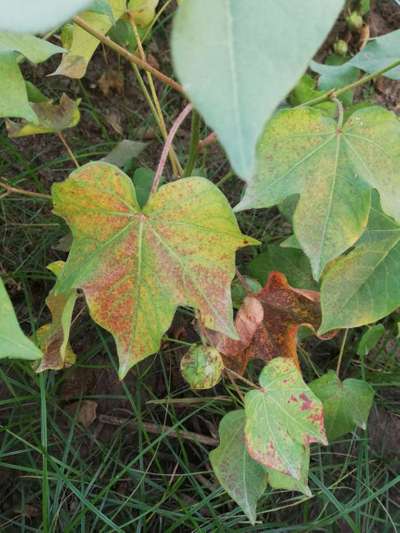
column 13, row 343
column 52, row 118
column 82, row 45
column 142, row 11
column 305, row 152
column 53, row 337
column 136, row 265
column 282, row 419
column 242, row 477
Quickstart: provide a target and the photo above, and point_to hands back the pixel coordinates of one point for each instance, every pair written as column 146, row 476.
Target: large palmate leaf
column 137, row 265
column 13, row 343
column 267, row 323
column 364, row 286
column 81, row 44
column 53, row 337
column 282, row 419
column 304, row 151
column 379, row 53
column 13, row 92
column 237, row 60
column 38, row 16
column 346, row 404
column 242, row 477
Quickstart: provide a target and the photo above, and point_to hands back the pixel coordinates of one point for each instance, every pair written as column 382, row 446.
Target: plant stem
column 68, row 148
column 225, row 178
column 168, row 143
column 238, row 376
column 194, row 144
column 45, row 476
column 132, row 58
column 362, row 81
column 15, row 190
column 341, row 353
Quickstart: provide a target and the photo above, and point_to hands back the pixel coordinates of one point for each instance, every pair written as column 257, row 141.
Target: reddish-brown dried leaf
column 267, row 323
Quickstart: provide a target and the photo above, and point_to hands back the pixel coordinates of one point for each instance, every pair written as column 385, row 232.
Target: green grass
column 57, row 475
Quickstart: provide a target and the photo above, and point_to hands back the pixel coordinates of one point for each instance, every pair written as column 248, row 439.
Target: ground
column 110, row 467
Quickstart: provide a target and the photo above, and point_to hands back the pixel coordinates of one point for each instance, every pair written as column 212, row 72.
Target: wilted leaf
column 268, row 322
column 290, row 261
column 178, row 250
column 13, row 343
column 142, row 11
column 111, row 80
column 215, row 47
column 370, row 339
column 85, row 412
column 364, row 286
column 38, row 16
column 202, row 367
column 13, row 92
column 346, row 404
column 303, row 151
column 52, row 118
column 277, row 480
column 53, row 338
column 379, row 53
column 283, row 419
column 82, row 45
column 244, row 479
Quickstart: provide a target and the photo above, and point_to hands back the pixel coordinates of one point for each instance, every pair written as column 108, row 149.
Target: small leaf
column 202, row 367
column 239, row 291
column 244, row 479
column 304, row 152
column 290, row 261
column 267, row 323
column 52, row 118
column 53, row 337
column 363, row 286
column 82, row 45
column 283, row 419
column 215, row 47
column 38, row 16
column 13, row 343
column 379, row 53
column 178, row 250
column 370, row 339
column 346, row 404
column 124, row 152
column 143, row 180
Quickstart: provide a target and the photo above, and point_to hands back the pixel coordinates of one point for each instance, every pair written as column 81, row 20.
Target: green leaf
column 178, row 250
column 290, row 261
column 282, row 419
column 370, row 339
column 238, row 60
column 143, row 180
column 277, row 480
column 52, row 118
column 244, row 479
column 346, row 404
column 124, row 152
column 38, row 16
column 303, row 151
column 13, row 343
column 364, row 286
column 53, row 337
column 379, row 53
column 82, row 45
column 102, row 7
column 239, row 291
column 202, row 367
column 143, row 11
column 336, row 79
column 13, row 91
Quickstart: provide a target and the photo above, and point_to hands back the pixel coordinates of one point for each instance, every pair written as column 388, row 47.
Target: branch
column 14, row 190
column 132, row 58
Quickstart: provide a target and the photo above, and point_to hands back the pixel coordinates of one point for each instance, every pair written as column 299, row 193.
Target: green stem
column 194, row 144
column 342, row 347
column 44, row 440
column 362, row 81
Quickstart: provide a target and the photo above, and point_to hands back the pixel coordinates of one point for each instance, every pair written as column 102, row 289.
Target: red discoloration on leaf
column 272, row 332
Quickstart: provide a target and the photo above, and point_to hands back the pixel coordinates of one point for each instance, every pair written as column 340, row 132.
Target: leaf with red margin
column 267, row 323
column 137, row 265
column 282, row 419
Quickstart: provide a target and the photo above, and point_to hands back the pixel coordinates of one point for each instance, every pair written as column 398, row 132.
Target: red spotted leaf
column 267, row 323
column 136, row 264
column 282, row 419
